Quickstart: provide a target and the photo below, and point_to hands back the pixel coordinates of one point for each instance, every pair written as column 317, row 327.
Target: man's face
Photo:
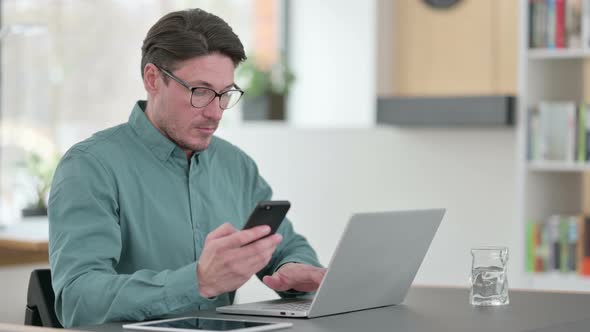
column 189, row 127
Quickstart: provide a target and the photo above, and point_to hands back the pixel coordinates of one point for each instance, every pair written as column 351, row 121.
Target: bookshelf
column 556, row 166
column 559, row 282
column 549, row 73
column 541, row 54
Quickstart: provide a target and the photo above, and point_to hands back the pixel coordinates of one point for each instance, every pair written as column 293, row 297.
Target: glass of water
column 489, row 282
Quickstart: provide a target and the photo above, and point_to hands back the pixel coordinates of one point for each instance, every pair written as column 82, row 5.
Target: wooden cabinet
column 469, row 49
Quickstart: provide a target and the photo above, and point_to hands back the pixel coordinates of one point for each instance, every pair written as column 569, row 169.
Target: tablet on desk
column 198, row 324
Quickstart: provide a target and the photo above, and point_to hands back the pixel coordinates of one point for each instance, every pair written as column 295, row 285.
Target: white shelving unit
column 560, row 282
column 552, row 166
column 543, row 54
column 547, row 188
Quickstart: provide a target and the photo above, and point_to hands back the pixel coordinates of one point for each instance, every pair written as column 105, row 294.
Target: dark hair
column 187, row 34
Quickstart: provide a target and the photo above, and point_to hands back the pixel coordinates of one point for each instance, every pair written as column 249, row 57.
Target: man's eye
column 201, row 92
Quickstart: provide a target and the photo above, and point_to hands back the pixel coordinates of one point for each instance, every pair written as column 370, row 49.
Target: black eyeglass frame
column 193, row 88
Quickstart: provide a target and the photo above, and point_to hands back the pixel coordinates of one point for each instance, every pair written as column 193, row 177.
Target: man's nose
column 213, row 111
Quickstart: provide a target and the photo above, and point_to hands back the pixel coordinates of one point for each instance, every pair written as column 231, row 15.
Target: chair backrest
column 40, row 309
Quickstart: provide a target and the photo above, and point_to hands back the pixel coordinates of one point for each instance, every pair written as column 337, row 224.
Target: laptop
column 373, row 266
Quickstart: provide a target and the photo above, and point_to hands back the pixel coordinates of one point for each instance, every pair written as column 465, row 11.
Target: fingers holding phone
column 230, row 257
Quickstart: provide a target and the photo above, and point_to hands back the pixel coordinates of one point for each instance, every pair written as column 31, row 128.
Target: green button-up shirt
column 128, row 217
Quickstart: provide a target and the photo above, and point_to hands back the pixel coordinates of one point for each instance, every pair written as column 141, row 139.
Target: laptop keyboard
column 292, row 306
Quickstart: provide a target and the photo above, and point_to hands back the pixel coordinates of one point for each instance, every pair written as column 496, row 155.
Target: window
column 72, row 67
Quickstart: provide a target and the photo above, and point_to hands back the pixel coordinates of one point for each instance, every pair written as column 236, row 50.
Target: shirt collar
column 160, row 145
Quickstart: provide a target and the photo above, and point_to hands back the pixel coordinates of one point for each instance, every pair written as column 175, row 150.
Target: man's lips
column 208, row 130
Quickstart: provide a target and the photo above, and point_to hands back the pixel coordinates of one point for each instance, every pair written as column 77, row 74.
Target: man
column 145, row 217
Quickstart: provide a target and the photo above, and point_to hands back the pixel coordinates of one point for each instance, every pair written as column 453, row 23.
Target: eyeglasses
column 202, row 96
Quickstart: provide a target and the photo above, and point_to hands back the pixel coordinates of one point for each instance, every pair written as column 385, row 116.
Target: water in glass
column 489, row 282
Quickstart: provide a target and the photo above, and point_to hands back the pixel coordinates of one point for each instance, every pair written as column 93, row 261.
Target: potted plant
column 265, row 87
column 40, row 173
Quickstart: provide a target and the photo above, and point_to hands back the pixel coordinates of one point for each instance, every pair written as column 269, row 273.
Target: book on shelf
column 585, row 195
column 583, row 231
column 585, row 128
column 531, row 244
column 551, row 23
column 581, row 250
column 537, row 15
column 541, row 248
column 554, row 261
column 571, row 244
column 560, row 24
column 573, row 23
column 584, row 260
column 559, row 131
column 535, row 247
column 555, row 24
column 559, row 243
column 582, row 133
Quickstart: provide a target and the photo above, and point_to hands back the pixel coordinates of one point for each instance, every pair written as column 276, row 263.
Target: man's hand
column 300, row 277
column 230, row 257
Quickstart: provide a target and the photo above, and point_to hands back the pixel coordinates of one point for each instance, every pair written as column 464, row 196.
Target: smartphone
column 269, row 213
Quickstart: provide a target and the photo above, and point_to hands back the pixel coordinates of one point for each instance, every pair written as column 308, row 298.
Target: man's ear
column 151, row 76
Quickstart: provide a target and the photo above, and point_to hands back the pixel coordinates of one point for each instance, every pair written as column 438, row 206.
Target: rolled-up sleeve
column 294, row 248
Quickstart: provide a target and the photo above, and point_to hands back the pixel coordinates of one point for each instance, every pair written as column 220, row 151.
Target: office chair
column 40, row 300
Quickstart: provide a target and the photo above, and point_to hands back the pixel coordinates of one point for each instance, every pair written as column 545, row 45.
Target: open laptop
column 373, row 266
